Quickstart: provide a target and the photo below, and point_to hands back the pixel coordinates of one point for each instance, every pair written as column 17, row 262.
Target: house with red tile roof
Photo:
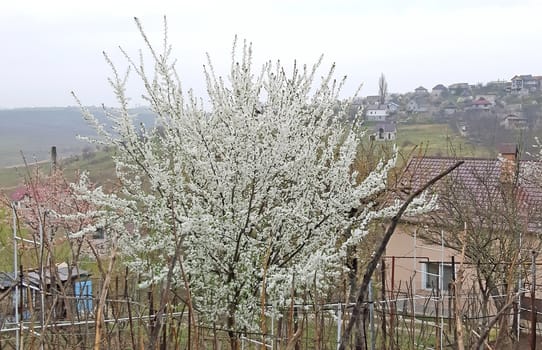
column 479, row 203
column 481, row 104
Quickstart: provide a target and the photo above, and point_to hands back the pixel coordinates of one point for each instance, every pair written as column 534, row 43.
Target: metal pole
column 21, row 305
column 339, row 324
column 534, row 313
column 15, row 275
column 415, row 267
column 42, row 280
column 372, row 315
column 518, row 316
column 441, row 280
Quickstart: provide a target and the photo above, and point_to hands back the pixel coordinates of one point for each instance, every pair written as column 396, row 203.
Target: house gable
column 384, row 132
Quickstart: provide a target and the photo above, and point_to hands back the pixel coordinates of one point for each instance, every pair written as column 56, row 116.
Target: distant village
column 503, row 106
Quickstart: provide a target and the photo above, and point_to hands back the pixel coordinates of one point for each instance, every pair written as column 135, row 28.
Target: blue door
column 83, row 295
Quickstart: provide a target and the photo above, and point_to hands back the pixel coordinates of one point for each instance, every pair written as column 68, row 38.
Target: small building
column 438, row 91
column 481, row 104
column 376, row 113
column 458, row 89
column 75, row 283
column 426, row 265
column 417, row 105
column 489, row 97
column 384, row 132
column 421, row 91
column 393, row 107
column 526, row 82
column 372, row 100
column 514, row 122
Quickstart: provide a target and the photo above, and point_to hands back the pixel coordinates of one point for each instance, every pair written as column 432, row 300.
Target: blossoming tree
column 240, row 198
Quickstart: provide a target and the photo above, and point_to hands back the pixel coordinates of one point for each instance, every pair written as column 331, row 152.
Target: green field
column 99, row 165
column 435, row 140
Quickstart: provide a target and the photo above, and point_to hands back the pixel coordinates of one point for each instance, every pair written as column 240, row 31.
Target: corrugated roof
column 32, row 277
column 6, row 280
column 62, row 271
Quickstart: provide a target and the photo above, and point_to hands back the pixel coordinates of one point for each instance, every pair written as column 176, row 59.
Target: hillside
column 33, row 131
column 430, row 139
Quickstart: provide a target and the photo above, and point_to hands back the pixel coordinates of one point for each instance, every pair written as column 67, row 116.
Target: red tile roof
column 479, row 182
column 481, row 102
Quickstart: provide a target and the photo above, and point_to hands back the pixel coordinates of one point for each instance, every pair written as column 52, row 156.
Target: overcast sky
column 50, row 48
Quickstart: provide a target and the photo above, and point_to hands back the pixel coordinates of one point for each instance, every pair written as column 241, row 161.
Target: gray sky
column 50, row 48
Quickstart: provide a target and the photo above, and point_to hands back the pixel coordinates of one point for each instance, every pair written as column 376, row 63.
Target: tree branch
column 371, row 267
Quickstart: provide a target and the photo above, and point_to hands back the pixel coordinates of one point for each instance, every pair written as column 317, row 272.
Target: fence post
column 339, row 324
column 383, row 304
column 371, row 315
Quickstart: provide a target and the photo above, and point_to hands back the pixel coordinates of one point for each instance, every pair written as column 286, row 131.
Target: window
column 436, row 276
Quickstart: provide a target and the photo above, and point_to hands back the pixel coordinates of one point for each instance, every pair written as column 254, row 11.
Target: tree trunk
column 234, row 336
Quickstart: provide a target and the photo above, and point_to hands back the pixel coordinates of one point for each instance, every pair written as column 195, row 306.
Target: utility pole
column 19, row 279
column 15, row 275
column 53, row 160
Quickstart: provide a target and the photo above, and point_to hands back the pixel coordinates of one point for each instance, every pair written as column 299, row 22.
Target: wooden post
column 458, row 287
column 150, row 300
column 437, row 315
column 53, row 160
column 129, row 306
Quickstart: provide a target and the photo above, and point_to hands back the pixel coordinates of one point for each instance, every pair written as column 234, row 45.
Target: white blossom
column 258, row 183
